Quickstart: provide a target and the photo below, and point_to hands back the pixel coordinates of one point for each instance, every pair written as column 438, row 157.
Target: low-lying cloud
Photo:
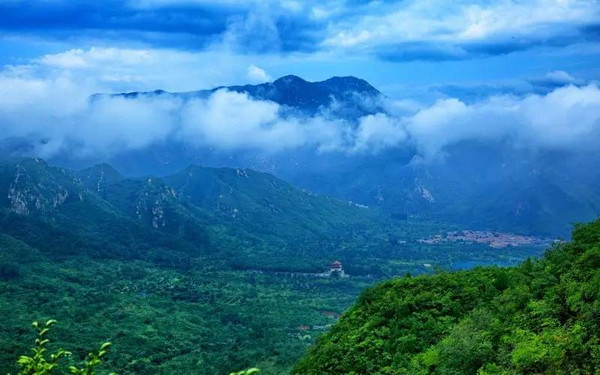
column 57, row 115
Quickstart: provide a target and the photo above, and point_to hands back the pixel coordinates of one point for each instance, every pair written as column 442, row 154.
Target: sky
column 398, row 46
column 442, row 58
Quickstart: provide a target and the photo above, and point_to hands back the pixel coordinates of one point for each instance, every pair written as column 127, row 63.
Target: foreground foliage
column 542, row 317
column 42, row 364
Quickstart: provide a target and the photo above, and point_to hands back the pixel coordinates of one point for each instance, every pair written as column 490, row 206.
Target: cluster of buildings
column 492, row 239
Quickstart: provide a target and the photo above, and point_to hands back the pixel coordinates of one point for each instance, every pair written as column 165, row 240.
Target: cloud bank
column 393, row 30
column 435, row 29
column 53, row 110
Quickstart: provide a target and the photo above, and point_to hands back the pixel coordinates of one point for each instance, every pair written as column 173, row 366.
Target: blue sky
column 405, row 48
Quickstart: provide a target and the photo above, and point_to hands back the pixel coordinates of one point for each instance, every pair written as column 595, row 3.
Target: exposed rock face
column 152, row 202
column 18, row 202
column 241, row 173
column 425, row 194
column 26, row 196
column 379, row 195
column 158, row 219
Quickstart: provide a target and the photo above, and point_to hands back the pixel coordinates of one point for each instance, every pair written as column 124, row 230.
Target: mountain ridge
column 289, row 91
column 197, row 210
column 482, row 184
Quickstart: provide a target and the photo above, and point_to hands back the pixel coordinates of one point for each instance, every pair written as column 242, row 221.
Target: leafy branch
column 42, row 364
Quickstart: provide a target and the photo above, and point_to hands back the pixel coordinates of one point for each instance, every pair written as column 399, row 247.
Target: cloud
column 479, row 91
column 48, row 104
column 438, row 30
column 94, row 57
column 242, row 26
column 114, row 20
column 230, row 121
column 554, row 79
column 378, row 132
column 130, row 69
column 257, row 75
column 392, row 30
column 566, row 119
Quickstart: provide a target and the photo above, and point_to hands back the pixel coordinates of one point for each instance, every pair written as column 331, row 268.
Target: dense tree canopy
column 539, row 318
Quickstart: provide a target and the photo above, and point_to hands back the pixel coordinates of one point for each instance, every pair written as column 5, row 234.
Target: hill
column 204, row 271
column 538, row 318
column 198, row 211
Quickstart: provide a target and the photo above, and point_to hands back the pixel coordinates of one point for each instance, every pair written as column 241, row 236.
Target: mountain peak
column 350, row 83
column 97, row 177
column 290, row 80
column 295, row 92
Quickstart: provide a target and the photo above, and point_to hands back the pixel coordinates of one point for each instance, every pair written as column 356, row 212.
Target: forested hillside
column 541, row 317
column 205, row 271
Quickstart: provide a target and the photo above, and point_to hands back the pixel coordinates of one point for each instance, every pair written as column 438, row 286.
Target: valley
column 207, row 270
column 288, row 187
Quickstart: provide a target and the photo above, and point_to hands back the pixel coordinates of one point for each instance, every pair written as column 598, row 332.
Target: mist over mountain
column 209, row 186
column 342, row 137
column 346, row 97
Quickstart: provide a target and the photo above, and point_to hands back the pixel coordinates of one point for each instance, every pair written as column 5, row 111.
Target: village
column 497, row 240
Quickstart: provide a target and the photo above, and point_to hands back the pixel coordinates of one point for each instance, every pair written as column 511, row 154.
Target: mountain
column 263, row 202
column 206, row 270
column 238, row 213
column 51, row 207
column 353, row 96
column 481, row 184
column 540, row 317
column 248, row 219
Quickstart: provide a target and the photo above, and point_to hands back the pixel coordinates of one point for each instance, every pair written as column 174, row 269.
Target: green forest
column 299, row 187
column 541, row 317
column 208, row 271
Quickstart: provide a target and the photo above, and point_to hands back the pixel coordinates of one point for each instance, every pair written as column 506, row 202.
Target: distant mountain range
column 477, row 184
column 252, row 219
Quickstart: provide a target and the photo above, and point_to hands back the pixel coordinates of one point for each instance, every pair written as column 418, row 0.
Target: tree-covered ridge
column 207, row 292
column 539, row 318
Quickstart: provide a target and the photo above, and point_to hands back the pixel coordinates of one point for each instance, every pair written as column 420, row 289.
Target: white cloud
column 439, row 21
column 94, row 57
column 567, row 118
column 257, row 75
column 377, row 132
column 49, row 105
column 230, row 120
column 123, row 69
column 561, row 76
